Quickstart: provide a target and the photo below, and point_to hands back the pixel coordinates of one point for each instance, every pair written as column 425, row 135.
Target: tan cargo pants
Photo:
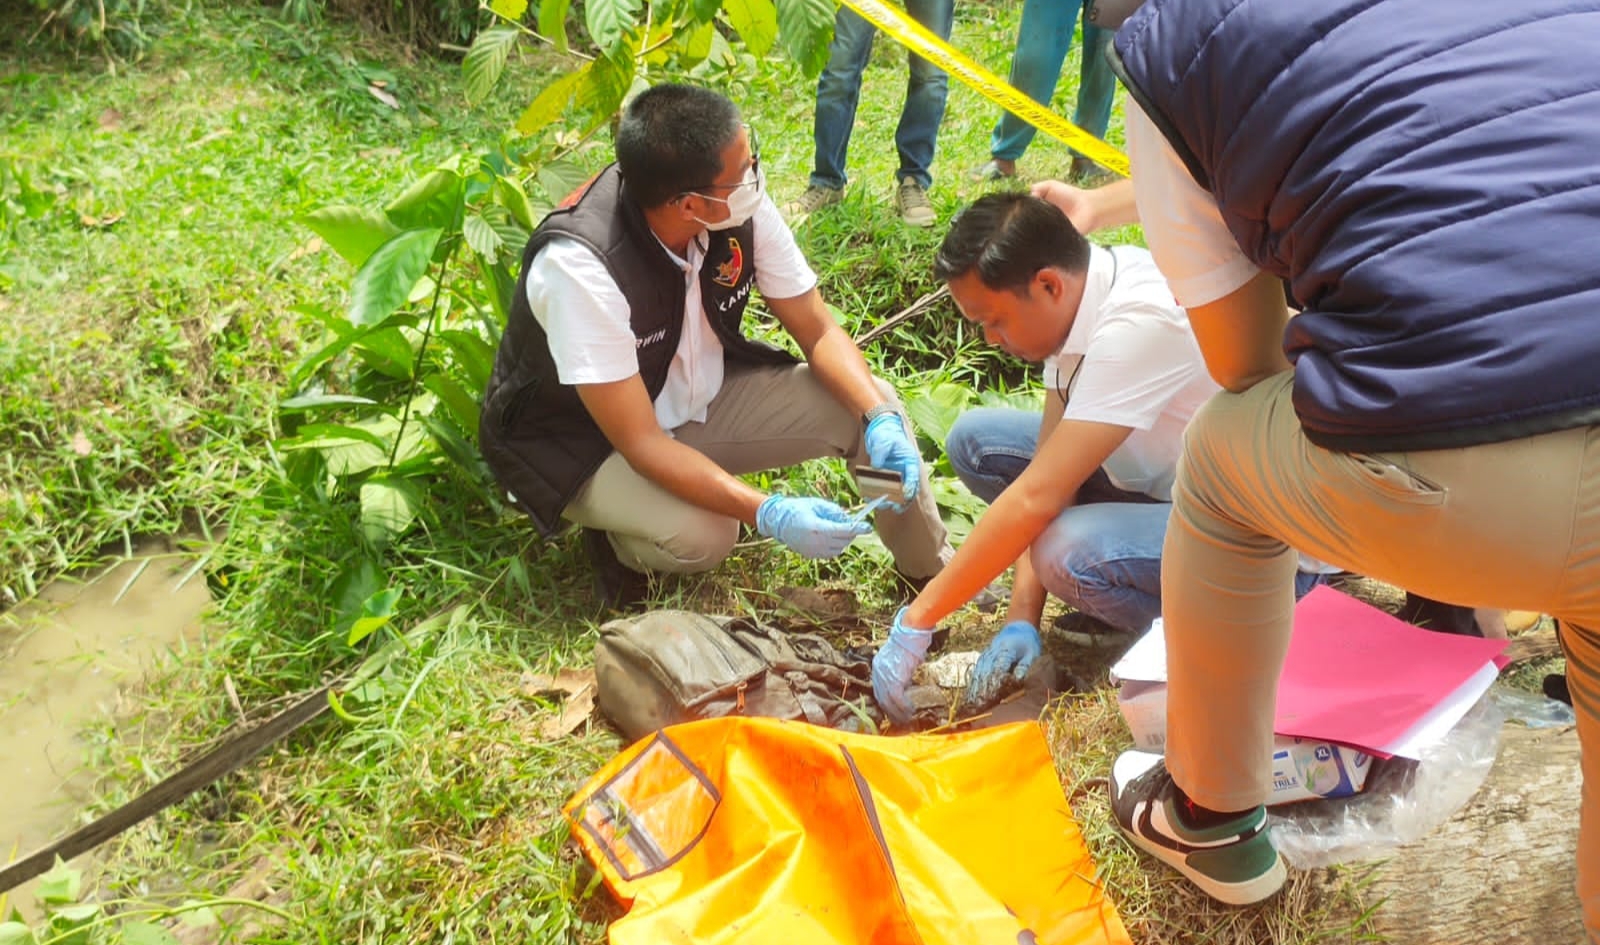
column 762, row 418
column 1513, row 525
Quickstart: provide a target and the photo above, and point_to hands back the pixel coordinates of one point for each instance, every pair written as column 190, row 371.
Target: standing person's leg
column 1097, row 84
column 1097, row 88
column 838, row 93
column 1473, row 525
column 990, row 447
column 768, row 418
column 1043, row 39
column 927, row 88
column 1582, row 647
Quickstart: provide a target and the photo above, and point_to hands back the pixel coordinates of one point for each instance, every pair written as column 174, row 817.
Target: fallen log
column 1502, row 870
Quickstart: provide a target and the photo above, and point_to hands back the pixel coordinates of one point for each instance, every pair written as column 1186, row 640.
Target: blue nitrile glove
column 815, row 528
column 889, row 447
column 894, row 664
column 1010, row 653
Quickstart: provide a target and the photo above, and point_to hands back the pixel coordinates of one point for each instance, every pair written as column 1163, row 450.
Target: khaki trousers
column 1513, row 525
column 762, row 418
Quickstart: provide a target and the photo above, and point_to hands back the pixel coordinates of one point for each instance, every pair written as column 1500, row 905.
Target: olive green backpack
column 672, row 666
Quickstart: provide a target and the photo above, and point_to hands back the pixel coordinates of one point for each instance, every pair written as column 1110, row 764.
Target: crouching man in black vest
column 625, row 396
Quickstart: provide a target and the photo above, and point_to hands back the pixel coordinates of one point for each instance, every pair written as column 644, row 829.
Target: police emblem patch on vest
column 728, row 272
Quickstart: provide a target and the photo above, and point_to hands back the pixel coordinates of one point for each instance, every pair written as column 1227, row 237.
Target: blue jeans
column 839, row 91
column 1043, row 40
column 1102, row 555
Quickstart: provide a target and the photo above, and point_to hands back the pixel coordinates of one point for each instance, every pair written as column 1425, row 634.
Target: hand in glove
column 1009, row 654
column 894, row 665
column 814, row 528
column 889, row 447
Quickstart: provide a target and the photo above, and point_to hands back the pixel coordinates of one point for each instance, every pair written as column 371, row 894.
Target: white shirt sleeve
column 781, row 269
column 1136, row 365
column 1182, row 225
column 584, row 314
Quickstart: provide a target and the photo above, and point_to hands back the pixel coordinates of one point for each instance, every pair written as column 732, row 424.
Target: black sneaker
column 618, row 586
column 1234, row 863
column 1086, row 631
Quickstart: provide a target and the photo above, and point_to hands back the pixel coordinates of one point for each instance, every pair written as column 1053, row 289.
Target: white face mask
column 742, row 203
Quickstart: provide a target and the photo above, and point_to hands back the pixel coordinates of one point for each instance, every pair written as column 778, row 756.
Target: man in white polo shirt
column 626, row 396
column 1087, row 485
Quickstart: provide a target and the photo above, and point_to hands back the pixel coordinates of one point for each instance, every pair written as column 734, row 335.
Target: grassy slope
column 164, row 337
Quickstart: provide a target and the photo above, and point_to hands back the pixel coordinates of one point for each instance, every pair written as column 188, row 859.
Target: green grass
column 154, row 294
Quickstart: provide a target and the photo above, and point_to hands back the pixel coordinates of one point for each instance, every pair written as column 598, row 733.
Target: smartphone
column 874, row 482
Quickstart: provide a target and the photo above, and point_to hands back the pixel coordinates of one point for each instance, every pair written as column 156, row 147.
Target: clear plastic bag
column 1403, row 801
column 1533, row 709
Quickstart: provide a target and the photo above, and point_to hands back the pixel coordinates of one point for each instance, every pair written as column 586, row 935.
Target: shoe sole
column 1096, row 641
column 1248, row 893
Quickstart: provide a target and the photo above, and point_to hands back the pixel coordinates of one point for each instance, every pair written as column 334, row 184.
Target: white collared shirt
column 586, row 317
column 1131, row 360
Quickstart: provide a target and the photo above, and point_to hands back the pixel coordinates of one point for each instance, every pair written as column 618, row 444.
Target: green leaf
column 609, row 79
column 561, row 179
column 359, row 580
column 196, row 916
column 463, row 406
column 933, row 411
column 353, row 233
column 432, row 201
column 481, row 237
column 383, row 281
column 756, row 22
column 551, row 102
column 510, row 9
column 61, row 885
column 553, row 21
column 346, row 450
column 806, row 27
column 704, row 11
column 388, row 507
column 388, row 352
column 375, row 612
column 607, row 21
column 697, row 45
column 486, row 59
column 511, row 234
column 313, row 401
column 146, row 933
column 508, row 193
column 472, row 354
column 15, row 933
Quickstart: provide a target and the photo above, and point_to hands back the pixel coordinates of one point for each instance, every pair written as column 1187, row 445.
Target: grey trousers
column 1513, row 525
column 762, row 418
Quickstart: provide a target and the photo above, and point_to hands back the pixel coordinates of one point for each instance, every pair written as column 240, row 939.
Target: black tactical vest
column 537, row 437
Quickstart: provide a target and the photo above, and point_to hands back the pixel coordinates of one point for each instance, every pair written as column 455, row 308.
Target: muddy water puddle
column 70, row 660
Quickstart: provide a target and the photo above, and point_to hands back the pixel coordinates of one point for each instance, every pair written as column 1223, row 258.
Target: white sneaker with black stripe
column 1233, row 863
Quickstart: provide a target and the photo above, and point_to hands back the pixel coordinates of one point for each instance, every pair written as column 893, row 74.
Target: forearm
column 838, row 364
column 997, row 540
column 1027, row 592
column 1112, row 206
column 692, row 476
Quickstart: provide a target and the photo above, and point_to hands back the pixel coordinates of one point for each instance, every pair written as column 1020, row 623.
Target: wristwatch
column 875, row 413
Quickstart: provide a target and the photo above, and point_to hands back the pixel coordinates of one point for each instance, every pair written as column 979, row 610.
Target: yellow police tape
column 915, row 37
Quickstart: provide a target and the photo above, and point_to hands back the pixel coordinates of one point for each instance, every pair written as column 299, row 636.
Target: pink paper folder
column 1358, row 676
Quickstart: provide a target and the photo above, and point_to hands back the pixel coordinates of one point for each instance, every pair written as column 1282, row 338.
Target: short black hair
column 1006, row 238
column 670, row 141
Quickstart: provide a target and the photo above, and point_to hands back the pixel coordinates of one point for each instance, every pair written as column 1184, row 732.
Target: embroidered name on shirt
column 650, row 339
column 739, row 295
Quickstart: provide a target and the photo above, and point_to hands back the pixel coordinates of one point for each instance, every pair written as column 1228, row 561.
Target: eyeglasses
column 752, row 177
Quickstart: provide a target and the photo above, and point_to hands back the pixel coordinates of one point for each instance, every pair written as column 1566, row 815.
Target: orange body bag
column 751, row 830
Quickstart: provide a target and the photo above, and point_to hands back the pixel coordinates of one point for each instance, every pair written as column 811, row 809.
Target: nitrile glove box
column 1303, row 769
